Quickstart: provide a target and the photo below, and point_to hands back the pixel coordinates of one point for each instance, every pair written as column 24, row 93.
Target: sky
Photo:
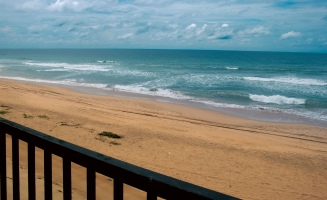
column 252, row 25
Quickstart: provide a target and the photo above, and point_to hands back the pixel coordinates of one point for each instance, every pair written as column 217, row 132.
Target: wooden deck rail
column 154, row 184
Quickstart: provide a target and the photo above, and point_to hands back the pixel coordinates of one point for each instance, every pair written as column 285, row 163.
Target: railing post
column 118, row 189
column 3, row 166
column 90, row 184
column 151, row 195
column 31, row 171
column 67, row 178
column 47, row 175
column 15, row 168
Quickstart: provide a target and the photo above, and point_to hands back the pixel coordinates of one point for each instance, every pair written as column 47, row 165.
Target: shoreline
column 241, row 157
column 252, row 114
column 257, row 115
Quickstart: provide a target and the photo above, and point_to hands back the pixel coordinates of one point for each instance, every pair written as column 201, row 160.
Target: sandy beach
column 244, row 158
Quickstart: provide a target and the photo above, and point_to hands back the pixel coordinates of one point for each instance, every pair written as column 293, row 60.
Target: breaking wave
column 70, row 67
column 232, row 68
column 291, row 80
column 277, row 99
column 152, row 92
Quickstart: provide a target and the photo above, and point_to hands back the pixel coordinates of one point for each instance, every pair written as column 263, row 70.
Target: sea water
column 274, row 83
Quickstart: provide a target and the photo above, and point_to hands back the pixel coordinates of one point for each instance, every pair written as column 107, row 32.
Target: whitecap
column 232, row 68
column 69, row 67
column 170, row 94
column 291, row 80
column 277, row 99
column 157, row 92
column 134, row 73
column 54, row 70
column 222, row 105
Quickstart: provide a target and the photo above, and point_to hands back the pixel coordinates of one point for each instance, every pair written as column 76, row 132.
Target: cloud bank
column 199, row 24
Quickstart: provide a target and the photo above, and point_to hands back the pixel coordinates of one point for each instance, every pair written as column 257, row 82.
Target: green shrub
column 43, row 116
column 27, row 116
column 2, row 112
column 110, row 135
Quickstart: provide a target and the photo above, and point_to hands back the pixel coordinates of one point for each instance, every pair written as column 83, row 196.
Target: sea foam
column 232, row 68
column 291, row 80
column 171, row 94
column 152, row 92
column 277, row 99
column 63, row 82
column 71, row 67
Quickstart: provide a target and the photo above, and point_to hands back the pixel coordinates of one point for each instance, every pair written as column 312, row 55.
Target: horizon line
column 184, row 49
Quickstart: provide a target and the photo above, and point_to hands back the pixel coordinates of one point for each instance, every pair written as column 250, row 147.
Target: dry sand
column 240, row 157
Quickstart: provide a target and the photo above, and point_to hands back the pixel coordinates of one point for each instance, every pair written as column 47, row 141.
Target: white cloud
column 36, row 29
column 126, row 36
column 191, row 26
column 290, row 34
column 257, row 31
column 201, row 30
column 31, row 5
column 250, row 32
column 61, row 5
column 174, row 26
column 82, row 34
column 199, row 24
column 193, row 32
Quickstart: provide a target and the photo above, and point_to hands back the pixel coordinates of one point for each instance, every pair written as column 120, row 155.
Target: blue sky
column 186, row 24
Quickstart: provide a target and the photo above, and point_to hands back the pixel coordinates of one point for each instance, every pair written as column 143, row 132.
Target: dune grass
column 27, row 116
column 110, row 135
column 2, row 112
column 105, row 134
column 43, row 116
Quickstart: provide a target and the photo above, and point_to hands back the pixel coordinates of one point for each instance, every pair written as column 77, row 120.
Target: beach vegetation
column 5, row 111
column 110, row 135
column 2, row 112
column 115, row 143
column 43, row 116
column 27, row 116
column 4, row 106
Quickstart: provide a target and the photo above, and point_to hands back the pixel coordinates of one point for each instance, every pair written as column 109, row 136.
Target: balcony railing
column 154, row 184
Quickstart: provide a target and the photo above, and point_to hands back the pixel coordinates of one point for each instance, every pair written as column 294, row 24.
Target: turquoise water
column 290, row 83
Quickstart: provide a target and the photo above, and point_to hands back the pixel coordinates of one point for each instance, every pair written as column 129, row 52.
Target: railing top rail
column 130, row 174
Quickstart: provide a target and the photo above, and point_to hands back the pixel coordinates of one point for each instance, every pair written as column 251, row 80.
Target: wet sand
column 237, row 156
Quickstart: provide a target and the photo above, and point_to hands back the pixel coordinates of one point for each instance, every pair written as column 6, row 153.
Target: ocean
column 269, row 86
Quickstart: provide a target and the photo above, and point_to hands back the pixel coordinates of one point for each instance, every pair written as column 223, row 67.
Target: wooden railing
column 154, row 184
